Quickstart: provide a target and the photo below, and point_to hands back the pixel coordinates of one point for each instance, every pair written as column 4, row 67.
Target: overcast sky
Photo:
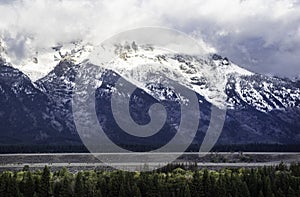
column 263, row 36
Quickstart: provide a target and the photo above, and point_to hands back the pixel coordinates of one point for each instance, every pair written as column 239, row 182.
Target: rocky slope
column 260, row 109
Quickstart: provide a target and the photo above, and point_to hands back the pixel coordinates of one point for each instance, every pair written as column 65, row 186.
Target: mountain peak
column 259, row 108
column 219, row 80
column 38, row 62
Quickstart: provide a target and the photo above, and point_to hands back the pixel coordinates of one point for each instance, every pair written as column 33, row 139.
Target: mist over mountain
column 261, row 36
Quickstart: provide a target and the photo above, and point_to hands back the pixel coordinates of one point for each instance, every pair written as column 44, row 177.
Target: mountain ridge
column 260, row 109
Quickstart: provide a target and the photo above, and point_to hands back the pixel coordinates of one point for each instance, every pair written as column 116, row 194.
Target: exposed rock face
column 260, row 109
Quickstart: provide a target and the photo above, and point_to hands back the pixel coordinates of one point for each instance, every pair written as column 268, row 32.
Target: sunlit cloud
column 263, row 36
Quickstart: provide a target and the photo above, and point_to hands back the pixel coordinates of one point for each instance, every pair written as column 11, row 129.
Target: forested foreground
column 173, row 180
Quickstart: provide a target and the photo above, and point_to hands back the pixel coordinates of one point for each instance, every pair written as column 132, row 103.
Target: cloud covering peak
column 263, row 36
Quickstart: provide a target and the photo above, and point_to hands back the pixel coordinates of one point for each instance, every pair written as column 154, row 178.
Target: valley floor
column 86, row 161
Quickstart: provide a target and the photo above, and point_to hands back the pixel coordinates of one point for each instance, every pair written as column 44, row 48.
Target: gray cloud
column 263, row 36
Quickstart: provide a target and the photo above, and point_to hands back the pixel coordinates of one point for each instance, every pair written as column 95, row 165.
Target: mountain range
column 36, row 104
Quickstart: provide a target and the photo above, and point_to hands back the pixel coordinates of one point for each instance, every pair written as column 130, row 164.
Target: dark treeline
column 173, row 181
column 41, row 148
column 257, row 148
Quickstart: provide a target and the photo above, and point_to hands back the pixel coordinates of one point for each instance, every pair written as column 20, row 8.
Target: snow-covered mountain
column 36, row 63
column 214, row 77
column 260, row 109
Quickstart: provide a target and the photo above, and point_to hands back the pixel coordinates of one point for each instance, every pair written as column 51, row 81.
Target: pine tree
column 44, row 188
column 28, row 185
column 25, row 168
column 267, row 187
column 206, row 184
column 12, row 187
column 88, row 187
column 244, row 192
column 65, row 190
column 280, row 193
column 122, row 192
column 56, row 188
column 291, row 192
column 3, row 183
column 97, row 193
column 186, row 191
column 136, row 191
column 196, row 184
column 103, row 185
column 79, row 187
column 220, row 186
column 295, row 168
column 260, row 194
column 114, row 184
